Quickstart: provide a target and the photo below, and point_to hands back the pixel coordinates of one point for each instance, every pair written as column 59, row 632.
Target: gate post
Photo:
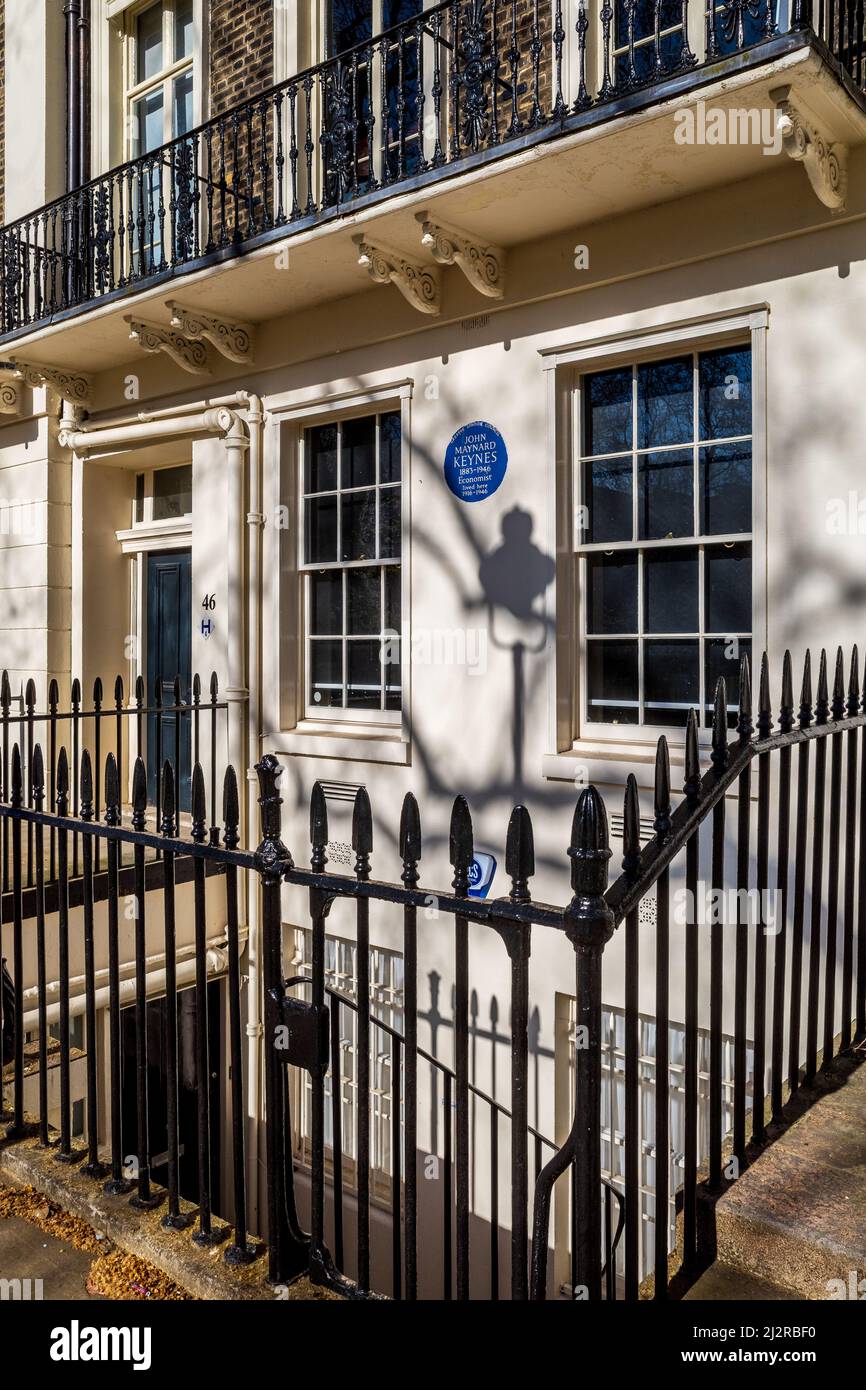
column 589, row 925
column 287, row 1253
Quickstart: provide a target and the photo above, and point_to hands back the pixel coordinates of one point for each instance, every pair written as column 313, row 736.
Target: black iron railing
column 778, row 932
column 185, row 728
column 465, row 80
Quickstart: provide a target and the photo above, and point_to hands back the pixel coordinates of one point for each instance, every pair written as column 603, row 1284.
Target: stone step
column 723, row 1283
column 796, row 1218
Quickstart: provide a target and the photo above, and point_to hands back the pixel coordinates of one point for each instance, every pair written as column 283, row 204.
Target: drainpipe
column 84, row 92
column 255, row 523
column 72, row 14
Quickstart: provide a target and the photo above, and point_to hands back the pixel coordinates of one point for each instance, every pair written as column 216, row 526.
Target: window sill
column 607, row 765
column 352, row 743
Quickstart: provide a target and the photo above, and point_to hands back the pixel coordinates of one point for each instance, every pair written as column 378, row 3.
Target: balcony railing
column 467, row 80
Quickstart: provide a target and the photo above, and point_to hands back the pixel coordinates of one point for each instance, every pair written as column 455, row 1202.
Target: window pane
column 722, row 659
column 326, row 676
column 725, row 387
column 392, row 598
column 671, row 683
column 321, row 539
column 726, row 488
column 671, row 590
column 612, row 683
column 607, row 412
column 389, row 523
column 365, row 675
column 359, row 453
column 608, row 486
column 665, row 403
column 148, row 122
column 320, row 455
column 390, row 436
column 351, row 23
column 139, row 498
column 358, row 517
column 729, row 589
column 148, row 44
column 365, row 601
column 666, row 494
column 172, row 492
column 183, row 29
column 612, row 593
column 183, row 113
column 326, row 603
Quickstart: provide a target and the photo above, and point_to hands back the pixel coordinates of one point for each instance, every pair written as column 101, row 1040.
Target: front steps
column 793, row 1226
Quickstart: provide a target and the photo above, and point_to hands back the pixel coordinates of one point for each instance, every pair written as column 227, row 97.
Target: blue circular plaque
column 475, row 462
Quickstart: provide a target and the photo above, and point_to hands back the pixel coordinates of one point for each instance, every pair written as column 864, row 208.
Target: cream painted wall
column 35, row 77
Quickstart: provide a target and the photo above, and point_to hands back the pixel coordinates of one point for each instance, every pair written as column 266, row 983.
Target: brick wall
column 241, row 51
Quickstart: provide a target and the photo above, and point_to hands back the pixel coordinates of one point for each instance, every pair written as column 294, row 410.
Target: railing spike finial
column 838, row 706
column 196, row 688
column 461, row 849
column 97, row 692
column 76, row 693
column 5, row 692
column 765, row 704
column 231, row 809
column 805, row 712
column 692, row 782
column 745, row 727
column 199, row 806
column 410, row 840
column 168, row 824
column 62, row 786
column 38, row 777
column 112, row 791
column 118, row 691
column 139, row 690
column 589, row 850
column 86, row 786
column 17, row 780
column 176, row 692
column 157, row 691
column 854, row 684
column 318, row 828
column 53, row 695
column 719, row 753
column 822, row 696
column 362, row 832
column 214, row 686
column 662, row 788
column 631, row 827
column 272, row 856
column 30, row 695
column 139, row 795
column 520, row 854
column 786, row 708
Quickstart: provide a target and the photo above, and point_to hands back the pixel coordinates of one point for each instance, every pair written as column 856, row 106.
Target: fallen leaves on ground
column 33, row 1206
column 126, row 1278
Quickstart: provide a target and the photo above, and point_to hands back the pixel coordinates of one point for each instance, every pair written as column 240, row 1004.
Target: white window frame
column 290, row 619
column 572, row 363
column 165, row 78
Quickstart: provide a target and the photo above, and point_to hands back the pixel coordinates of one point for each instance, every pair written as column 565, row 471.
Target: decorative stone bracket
column 483, row 266
column 825, row 162
column 71, row 386
column 10, row 396
column 229, row 336
column 192, row 356
column 417, row 284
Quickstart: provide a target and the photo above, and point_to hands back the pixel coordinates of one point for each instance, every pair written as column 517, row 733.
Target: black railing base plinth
column 118, row 1187
column 243, row 1254
column 70, row 1159
column 147, row 1203
column 16, row 1132
column 95, row 1170
column 176, row 1221
column 206, row 1239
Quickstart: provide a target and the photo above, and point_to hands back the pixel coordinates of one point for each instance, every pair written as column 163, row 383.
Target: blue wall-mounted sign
column 475, row 462
column 481, row 874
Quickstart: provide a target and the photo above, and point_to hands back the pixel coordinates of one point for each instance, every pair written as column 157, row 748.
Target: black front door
column 169, row 654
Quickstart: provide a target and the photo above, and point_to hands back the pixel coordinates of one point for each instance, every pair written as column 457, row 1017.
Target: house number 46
column 208, row 603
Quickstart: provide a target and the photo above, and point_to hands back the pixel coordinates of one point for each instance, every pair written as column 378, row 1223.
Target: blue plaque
column 481, row 874
column 475, row 462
